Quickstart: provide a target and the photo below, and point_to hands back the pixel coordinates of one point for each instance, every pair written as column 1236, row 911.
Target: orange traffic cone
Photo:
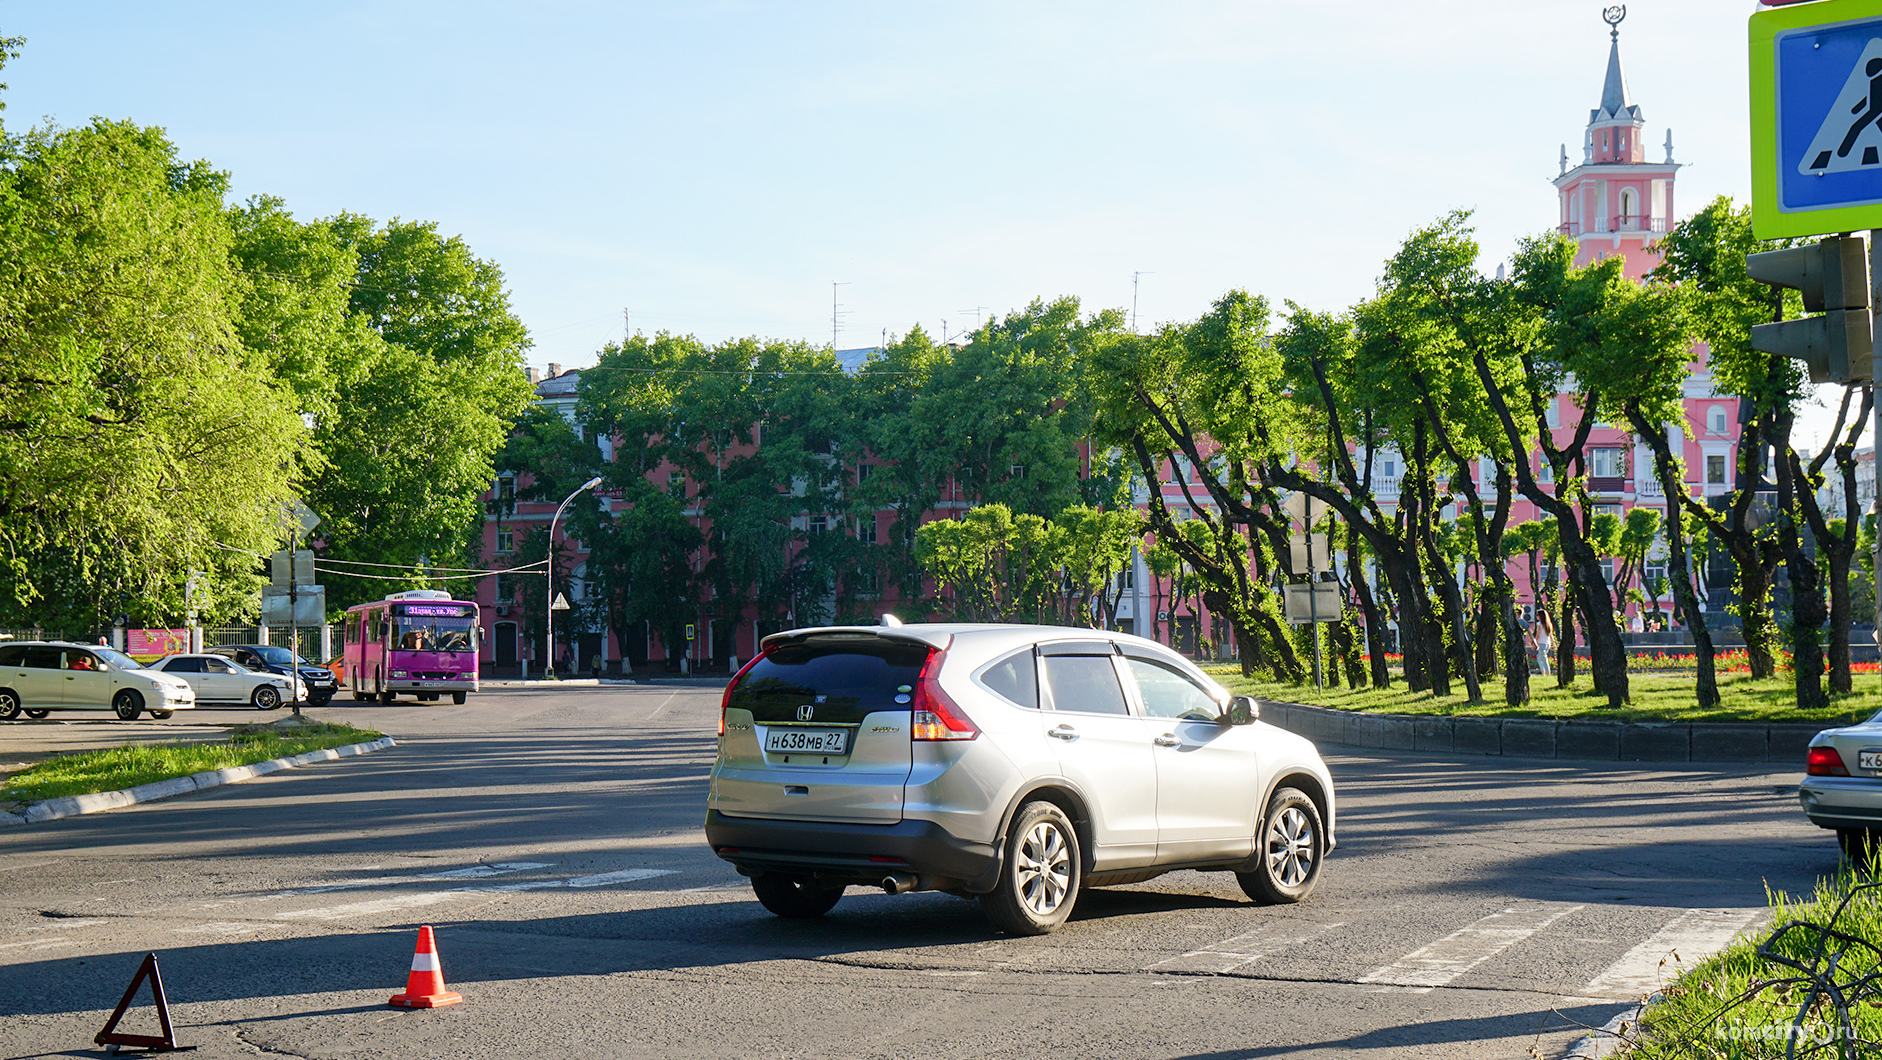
column 424, row 987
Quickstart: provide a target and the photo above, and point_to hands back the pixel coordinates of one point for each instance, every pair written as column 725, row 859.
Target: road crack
column 241, row 1035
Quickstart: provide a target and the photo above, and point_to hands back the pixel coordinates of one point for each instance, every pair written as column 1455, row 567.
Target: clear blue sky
column 714, row 166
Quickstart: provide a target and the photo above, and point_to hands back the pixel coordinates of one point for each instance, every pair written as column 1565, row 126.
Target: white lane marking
column 623, row 876
column 1694, row 935
column 67, row 923
column 377, row 905
column 739, row 886
column 218, row 927
column 662, row 706
column 38, row 944
column 1245, row 948
column 1460, row 951
column 473, row 872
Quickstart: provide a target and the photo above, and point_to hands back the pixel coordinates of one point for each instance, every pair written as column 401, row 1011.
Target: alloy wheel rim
column 1290, row 847
column 1045, row 868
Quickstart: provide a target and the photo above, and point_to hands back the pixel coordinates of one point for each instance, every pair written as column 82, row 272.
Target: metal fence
column 309, row 646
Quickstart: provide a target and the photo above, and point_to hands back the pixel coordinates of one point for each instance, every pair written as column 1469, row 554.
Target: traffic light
column 1833, row 275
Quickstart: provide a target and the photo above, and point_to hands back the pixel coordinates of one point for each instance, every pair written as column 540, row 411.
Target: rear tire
column 795, row 897
column 10, row 705
column 387, row 697
column 1288, row 850
column 1859, row 845
column 128, row 704
column 1040, row 875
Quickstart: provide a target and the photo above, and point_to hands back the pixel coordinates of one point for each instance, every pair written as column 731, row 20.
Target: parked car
column 39, row 677
column 1018, row 764
column 224, row 681
column 1842, row 785
column 317, row 682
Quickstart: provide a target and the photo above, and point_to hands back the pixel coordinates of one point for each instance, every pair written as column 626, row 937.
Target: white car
column 224, row 681
column 38, row 677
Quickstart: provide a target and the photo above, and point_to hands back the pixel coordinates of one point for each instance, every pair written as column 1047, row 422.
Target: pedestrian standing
column 1545, row 640
column 594, row 665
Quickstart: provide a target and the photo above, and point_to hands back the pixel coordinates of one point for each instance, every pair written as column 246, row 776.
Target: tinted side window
column 1084, row 683
column 45, row 658
column 1015, row 678
column 839, row 681
column 13, row 656
column 184, row 666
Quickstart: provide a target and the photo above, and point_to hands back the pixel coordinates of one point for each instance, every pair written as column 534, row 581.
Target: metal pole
column 1313, row 603
column 548, row 567
column 1875, row 439
column 294, row 633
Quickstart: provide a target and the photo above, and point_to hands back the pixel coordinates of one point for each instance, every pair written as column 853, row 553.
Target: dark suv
column 317, row 684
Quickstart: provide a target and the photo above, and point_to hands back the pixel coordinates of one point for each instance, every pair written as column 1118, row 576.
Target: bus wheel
column 387, row 697
column 458, row 698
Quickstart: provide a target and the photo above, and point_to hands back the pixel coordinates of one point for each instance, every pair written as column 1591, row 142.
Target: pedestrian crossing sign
column 1816, row 118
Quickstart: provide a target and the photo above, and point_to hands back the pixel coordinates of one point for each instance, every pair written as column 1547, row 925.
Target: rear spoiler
column 914, row 634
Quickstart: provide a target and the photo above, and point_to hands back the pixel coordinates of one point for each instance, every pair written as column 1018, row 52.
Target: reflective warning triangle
column 1858, row 110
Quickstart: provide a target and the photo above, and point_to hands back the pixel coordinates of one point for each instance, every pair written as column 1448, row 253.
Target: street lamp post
column 548, row 599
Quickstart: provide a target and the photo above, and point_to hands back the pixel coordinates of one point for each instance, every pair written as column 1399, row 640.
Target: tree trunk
column 1673, row 486
column 1369, row 610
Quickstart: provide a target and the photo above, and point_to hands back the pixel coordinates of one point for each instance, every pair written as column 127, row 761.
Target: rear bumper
column 854, row 853
column 1842, row 802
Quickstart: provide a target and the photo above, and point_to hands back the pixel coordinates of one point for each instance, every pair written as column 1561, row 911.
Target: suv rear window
column 840, row 680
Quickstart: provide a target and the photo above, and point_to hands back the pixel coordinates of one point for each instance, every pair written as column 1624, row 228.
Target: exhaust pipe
column 899, row 883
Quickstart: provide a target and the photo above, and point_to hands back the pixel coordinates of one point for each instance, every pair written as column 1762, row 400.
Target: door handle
column 1167, row 740
column 1063, row 732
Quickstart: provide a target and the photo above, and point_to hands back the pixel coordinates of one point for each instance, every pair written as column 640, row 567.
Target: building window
column 1715, row 419
column 676, row 483
column 1715, row 469
column 819, row 524
column 1605, row 463
column 1016, row 471
column 1552, row 413
column 1608, row 509
column 863, row 472
column 506, row 541
column 866, row 529
column 1607, row 571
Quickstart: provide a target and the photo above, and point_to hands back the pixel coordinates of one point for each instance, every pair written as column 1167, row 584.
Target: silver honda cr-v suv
column 1015, row 763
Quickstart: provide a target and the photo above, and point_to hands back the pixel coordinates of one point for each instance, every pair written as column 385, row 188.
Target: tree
column 428, row 380
column 140, row 439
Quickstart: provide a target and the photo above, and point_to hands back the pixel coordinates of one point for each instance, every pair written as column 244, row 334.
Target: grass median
column 1656, row 697
column 115, row 768
column 1743, row 1003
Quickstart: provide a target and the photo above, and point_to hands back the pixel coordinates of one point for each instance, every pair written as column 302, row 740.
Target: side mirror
column 1243, row 710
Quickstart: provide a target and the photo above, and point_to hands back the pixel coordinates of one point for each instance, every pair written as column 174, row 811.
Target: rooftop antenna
column 1134, row 277
column 976, row 311
column 836, row 311
column 627, row 327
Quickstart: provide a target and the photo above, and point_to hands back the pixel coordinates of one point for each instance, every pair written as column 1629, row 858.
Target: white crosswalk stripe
column 1693, row 935
column 1466, row 948
column 1245, row 948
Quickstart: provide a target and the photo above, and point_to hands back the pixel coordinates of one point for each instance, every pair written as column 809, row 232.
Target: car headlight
column 400, row 673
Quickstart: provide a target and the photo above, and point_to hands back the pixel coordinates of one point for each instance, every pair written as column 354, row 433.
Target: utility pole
column 627, row 327
column 1134, row 276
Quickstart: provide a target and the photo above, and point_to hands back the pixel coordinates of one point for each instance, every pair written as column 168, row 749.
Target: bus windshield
column 432, row 633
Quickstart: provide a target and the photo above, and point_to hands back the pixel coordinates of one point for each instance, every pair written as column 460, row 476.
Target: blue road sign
column 1816, row 118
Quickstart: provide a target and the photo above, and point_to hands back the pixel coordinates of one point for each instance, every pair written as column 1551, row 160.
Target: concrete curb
column 566, row 682
column 98, row 802
column 1605, row 741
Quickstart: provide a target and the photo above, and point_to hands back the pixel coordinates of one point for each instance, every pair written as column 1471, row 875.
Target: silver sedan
column 220, row 681
column 1842, row 785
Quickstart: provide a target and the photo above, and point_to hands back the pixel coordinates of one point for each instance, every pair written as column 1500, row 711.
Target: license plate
column 807, row 741
column 1870, row 760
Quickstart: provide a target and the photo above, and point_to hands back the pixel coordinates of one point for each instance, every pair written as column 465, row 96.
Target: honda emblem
column 806, row 712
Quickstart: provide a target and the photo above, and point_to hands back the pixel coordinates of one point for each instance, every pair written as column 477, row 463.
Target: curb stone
column 1604, row 1043
column 1582, row 738
column 98, row 802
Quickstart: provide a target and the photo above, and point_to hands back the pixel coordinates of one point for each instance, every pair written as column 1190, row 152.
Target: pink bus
column 419, row 643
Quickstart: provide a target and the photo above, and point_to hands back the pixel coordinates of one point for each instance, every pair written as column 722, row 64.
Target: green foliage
column 140, row 438
column 117, row 768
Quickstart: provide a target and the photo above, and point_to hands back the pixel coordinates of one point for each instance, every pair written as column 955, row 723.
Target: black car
column 318, row 681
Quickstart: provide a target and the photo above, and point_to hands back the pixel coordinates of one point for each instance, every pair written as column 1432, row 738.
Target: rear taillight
column 1825, row 762
column 936, row 715
column 726, row 700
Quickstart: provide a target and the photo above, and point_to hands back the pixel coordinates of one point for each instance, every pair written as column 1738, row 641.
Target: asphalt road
column 1476, row 907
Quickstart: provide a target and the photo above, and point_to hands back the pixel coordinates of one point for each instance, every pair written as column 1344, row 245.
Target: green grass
column 1737, row 1004
column 115, row 768
column 1656, row 697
